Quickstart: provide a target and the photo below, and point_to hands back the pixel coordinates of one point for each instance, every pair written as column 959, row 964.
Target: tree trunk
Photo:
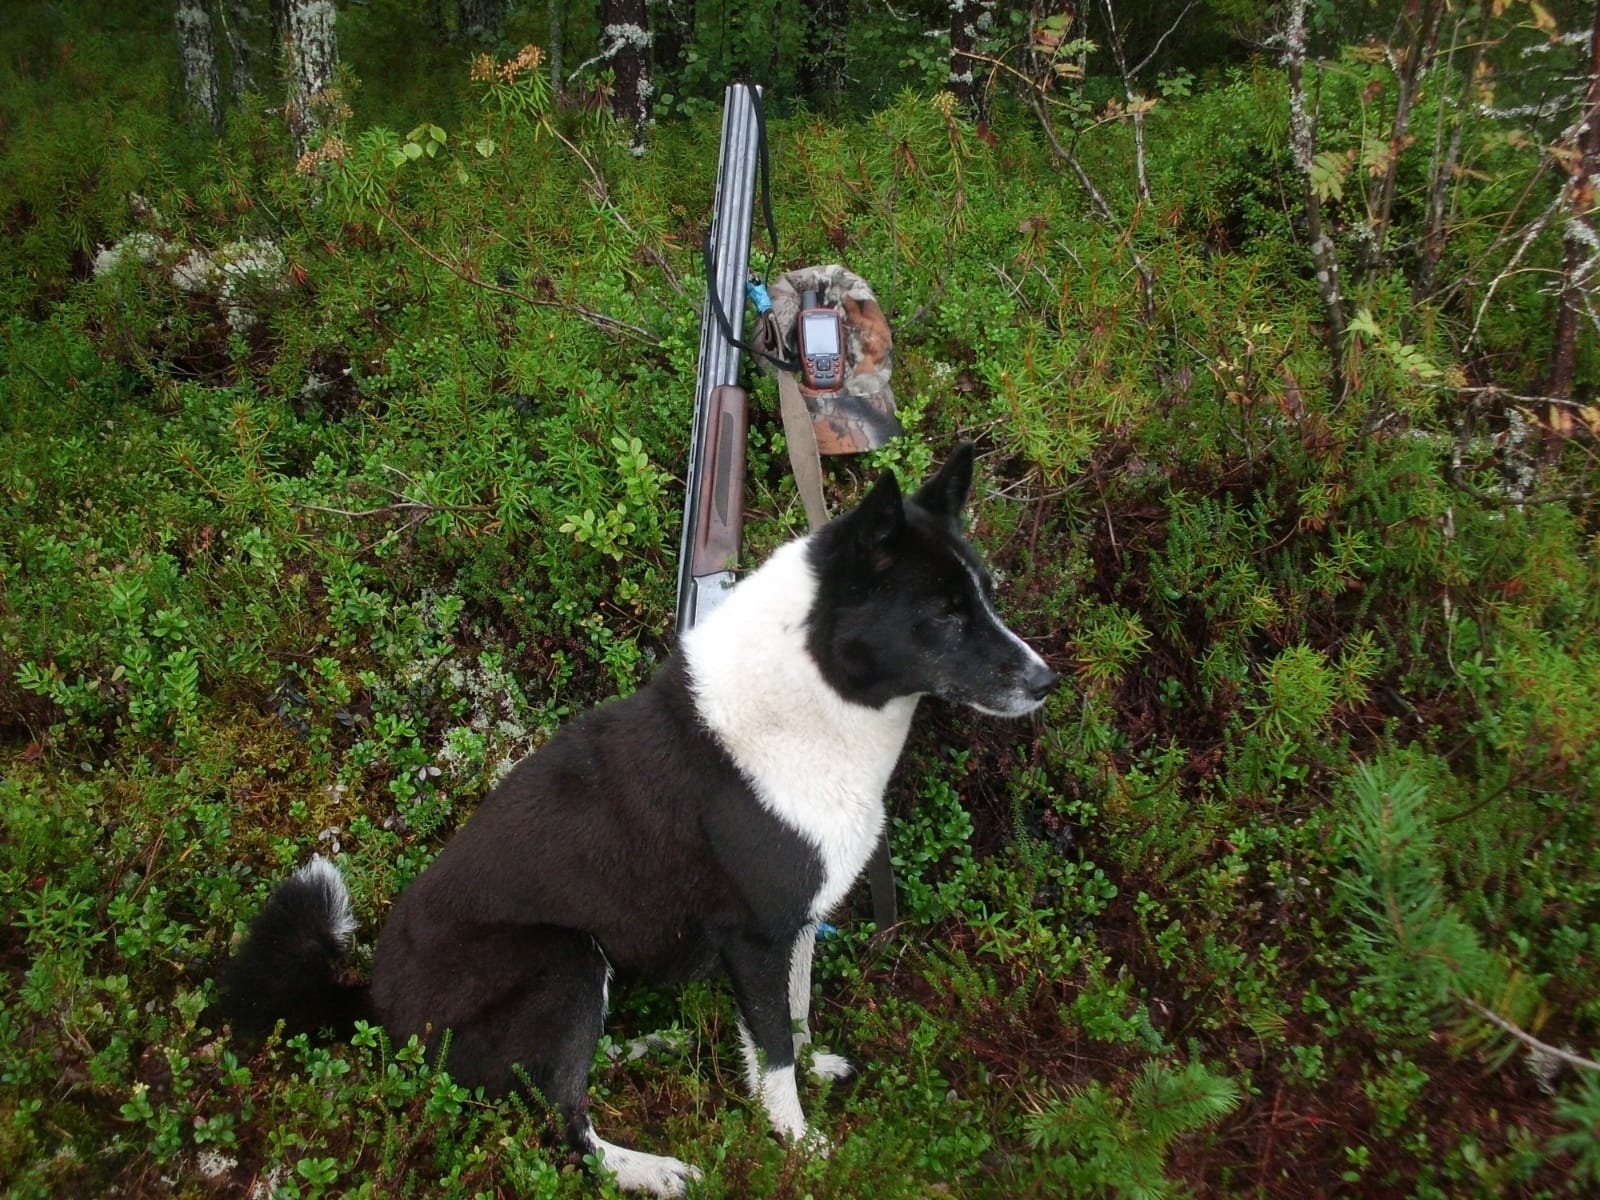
column 1303, row 142
column 1579, row 240
column 969, row 21
column 553, row 10
column 625, row 44
column 480, row 20
column 825, row 80
column 311, row 57
column 197, row 52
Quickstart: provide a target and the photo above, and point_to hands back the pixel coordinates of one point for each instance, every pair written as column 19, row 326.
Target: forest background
column 348, row 362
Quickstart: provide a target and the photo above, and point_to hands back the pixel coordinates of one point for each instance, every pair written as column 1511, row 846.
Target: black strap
column 880, row 877
column 764, row 178
column 764, row 170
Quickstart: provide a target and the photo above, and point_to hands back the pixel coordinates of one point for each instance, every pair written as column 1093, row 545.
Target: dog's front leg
column 760, row 970
column 800, row 989
column 823, row 1066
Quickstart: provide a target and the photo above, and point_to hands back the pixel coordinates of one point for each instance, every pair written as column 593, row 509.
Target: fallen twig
column 1533, row 1043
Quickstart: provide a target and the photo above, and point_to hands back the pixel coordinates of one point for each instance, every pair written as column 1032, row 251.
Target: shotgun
column 713, row 507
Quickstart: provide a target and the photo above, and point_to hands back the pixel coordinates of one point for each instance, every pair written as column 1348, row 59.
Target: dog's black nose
column 1040, row 681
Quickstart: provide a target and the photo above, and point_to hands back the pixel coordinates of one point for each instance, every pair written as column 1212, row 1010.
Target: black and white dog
column 708, row 821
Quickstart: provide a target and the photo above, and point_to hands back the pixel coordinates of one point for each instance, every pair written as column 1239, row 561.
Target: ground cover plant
column 331, row 483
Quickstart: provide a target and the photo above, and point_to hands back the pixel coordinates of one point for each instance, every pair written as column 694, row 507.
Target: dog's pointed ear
column 946, row 493
column 881, row 515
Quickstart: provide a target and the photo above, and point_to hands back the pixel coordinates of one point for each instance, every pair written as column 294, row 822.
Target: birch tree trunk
column 625, row 44
column 969, row 20
column 1303, row 142
column 197, row 52
column 311, row 57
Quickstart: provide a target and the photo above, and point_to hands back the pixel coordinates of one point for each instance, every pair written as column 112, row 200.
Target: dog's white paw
column 813, row 1142
column 635, row 1171
column 831, row 1067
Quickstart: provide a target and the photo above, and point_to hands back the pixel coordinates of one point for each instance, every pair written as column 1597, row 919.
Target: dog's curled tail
column 291, row 964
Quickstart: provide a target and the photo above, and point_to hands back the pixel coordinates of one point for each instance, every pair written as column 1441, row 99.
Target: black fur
column 293, row 969
column 499, row 940
column 619, row 792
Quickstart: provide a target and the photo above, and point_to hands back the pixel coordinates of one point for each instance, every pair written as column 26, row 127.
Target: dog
column 707, row 822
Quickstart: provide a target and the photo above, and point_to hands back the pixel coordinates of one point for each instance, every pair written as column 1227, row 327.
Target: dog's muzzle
column 1039, row 681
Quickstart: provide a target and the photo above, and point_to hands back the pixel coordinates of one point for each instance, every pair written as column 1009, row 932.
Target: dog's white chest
column 817, row 763
column 826, row 785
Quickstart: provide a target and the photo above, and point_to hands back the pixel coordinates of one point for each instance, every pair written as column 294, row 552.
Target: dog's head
column 904, row 604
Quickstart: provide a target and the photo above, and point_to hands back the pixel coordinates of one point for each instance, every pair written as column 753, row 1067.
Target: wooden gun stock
column 719, row 507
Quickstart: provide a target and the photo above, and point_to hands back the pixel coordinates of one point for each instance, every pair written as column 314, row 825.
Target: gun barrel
column 719, row 357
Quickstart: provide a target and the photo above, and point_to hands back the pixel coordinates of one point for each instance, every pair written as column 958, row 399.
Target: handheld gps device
column 820, row 334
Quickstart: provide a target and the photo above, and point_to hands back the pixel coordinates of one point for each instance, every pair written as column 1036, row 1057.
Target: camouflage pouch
column 861, row 415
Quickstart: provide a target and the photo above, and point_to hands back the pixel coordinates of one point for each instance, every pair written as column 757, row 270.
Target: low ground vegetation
column 328, row 488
